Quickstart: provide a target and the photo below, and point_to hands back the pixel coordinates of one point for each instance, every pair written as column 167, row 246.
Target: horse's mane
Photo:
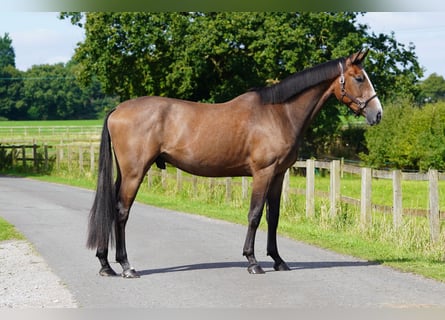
column 298, row 82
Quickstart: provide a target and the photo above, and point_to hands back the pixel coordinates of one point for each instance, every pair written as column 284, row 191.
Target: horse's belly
column 210, row 167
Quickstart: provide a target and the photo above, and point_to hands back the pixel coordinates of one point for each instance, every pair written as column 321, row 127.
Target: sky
column 42, row 38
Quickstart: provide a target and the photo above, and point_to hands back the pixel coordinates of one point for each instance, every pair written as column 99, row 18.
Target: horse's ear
column 358, row 57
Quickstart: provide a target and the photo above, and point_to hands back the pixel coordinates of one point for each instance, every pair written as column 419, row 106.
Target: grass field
column 51, row 123
column 16, row 132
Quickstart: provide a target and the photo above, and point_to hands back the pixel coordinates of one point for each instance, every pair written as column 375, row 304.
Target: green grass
column 8, row 231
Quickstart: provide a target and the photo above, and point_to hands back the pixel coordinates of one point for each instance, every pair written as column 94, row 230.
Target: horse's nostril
column 378, row 117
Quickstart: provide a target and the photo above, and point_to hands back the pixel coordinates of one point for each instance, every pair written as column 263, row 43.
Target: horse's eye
column 359, row 78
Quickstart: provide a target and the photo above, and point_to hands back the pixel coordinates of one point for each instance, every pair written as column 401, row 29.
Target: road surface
column 191, row 261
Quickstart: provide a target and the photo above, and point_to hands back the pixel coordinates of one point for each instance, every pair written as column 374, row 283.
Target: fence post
column 91, row 158
column 45, row 151
column 286, row 183
column 228, row 189
column 24, row 156
column 80, row 159
column 334, row 187
column 164, row 177
column 13, row 157
column 397, row 198
column 149, row 178
column 34, row 156
column 178, row 180
column 244, row 187
column 69, row 157
column 365, row 201
column 433, row 181
column 310, row 188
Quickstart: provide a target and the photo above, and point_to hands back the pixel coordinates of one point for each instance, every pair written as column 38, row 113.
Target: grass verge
column 8, row 231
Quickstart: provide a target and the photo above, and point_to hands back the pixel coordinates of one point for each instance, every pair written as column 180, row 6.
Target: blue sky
column 40, row 37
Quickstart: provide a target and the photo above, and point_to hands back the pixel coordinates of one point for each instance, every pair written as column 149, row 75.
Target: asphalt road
column 191, row 261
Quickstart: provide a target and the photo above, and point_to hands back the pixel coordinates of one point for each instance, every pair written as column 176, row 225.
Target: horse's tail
column 104, row 210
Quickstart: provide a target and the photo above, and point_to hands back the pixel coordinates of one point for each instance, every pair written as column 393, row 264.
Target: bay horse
column 255, row 134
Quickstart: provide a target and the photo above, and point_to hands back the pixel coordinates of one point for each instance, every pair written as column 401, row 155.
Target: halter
column 361, row 104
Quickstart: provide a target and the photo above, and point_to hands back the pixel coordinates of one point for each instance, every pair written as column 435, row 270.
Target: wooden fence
column 23, row 154
column 336, row 170
column 76, row 156
column 83, row 157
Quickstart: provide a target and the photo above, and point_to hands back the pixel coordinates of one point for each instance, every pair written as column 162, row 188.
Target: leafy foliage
column 7, row 54
column 214, row 57
column 432, row 89
column 408, row 138
column 52, row 92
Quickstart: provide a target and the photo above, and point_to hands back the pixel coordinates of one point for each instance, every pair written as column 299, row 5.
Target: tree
column 217, row 56
column 203, row 55
column 7, row 54
column 11, row 106
column 52, row 92
column 432, row 89
column 11, row 93
column 408, row 138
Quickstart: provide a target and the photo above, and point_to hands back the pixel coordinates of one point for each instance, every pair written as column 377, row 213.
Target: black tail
column 104, row 209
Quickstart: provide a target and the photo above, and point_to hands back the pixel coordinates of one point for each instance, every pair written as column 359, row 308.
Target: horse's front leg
column 273, row 215
column 260, row 186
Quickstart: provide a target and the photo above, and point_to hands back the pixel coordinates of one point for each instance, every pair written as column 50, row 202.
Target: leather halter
column 361, row 104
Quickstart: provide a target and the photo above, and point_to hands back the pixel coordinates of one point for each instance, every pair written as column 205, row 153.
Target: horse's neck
column 302, row 110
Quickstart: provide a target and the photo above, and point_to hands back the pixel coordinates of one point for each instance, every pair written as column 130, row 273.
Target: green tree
column 7, row 54
column 52, row 92
column 408, row 138
column 217, row 56
column 432, row 89
column 11, row 105
column 214, row 56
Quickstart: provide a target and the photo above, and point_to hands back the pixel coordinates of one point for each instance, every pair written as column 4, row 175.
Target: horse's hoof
column 130, row 274
column 255, row 269
column 107, row 272
column 281, row 266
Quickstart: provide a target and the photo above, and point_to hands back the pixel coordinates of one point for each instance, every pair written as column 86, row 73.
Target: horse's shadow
column 268, row 266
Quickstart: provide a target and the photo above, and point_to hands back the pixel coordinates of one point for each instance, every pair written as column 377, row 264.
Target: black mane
column 296, row 83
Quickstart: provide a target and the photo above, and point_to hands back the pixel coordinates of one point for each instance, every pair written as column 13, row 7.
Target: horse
column 255, row 134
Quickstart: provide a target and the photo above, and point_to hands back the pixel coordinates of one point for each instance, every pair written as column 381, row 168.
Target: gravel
column 26, row 281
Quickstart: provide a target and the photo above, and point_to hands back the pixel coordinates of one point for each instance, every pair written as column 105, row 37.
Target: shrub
column 408, row 137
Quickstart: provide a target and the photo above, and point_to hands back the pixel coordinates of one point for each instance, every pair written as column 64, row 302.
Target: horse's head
column 354, row 88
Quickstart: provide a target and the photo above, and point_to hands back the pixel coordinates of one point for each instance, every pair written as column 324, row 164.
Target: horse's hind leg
column 105, row 270
column 126, row 195
column 272, row 215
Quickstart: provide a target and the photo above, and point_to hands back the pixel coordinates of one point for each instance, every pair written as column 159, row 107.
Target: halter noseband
column 361, row 104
